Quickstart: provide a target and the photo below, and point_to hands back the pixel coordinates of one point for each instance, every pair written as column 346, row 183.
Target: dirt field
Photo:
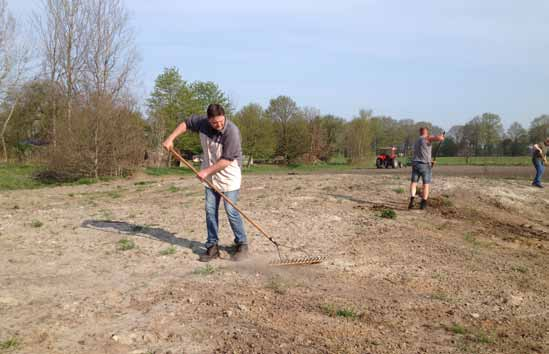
column 470, row 275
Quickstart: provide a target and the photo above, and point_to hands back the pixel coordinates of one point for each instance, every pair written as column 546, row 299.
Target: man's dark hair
column 215, row 110
column 423, row 130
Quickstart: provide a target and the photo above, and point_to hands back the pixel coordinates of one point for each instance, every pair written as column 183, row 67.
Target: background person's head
column 423, row 131
column 216, row 116
column 546, row 142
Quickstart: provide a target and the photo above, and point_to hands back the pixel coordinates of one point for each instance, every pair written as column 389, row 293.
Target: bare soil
column 469, row 275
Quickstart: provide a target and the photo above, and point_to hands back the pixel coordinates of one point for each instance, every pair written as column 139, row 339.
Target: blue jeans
column 538, row 164
column 212, row 217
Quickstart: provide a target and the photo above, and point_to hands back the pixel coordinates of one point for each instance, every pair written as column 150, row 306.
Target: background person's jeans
column 538, row 164
column 212, row 217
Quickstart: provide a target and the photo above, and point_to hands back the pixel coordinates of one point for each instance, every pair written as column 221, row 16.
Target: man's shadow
column 154, row 233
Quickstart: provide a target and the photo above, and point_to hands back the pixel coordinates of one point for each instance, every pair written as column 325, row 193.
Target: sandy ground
column 470, row 275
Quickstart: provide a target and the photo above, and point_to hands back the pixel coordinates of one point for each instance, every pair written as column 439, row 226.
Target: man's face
column 425, row 132
column 218, row 123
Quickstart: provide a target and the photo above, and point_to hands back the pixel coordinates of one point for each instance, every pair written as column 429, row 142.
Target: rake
column 281, row 261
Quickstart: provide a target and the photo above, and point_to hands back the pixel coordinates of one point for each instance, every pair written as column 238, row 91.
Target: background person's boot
column 212, row 252
column 423, row 204
column 411, row 204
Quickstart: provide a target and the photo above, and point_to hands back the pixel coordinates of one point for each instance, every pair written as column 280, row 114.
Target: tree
column 539, row 129
column 13, row 60
column 358, row 137
column 283, row 111
column 256, row 129
column 209, row 92
column 517, row 143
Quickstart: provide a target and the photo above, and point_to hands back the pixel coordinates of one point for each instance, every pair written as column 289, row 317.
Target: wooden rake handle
column 259, row 228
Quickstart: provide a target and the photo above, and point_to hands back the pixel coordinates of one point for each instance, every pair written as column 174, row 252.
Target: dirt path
column 467, row 276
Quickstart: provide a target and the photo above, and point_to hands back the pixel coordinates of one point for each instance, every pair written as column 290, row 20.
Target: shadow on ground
column 154, row 233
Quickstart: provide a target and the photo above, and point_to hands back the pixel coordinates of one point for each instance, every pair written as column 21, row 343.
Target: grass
column 143, row 183
column 487, row 161
column 470, row 238
column 388, row 214
column 14, row 177
column 206, row 270
column 277, row 285
column 173, row 189
column 520, row 269
column 125, row 245
column 333, row 311
column 168, row 251
column 399, row 190
column 37, row 223
column 9, row 344
column 473, row 334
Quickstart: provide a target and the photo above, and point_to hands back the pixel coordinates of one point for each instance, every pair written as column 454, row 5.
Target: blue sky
column 442, row 61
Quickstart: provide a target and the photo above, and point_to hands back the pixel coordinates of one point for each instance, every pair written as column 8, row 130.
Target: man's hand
column 202, row 175
column 433, row 163
column 168, row 144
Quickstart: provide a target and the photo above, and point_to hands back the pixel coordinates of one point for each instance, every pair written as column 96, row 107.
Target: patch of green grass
column 399, row 190
column 14, row 177
column 173, row 189
column 37, row 223
column 277, row 285
column 166, row 171
column 86, row 181
column 388, row 214
column 470, row 238
column 125, row 245
column 440, row 296
column 114, row 195
column 9, row 344
column 168, row 251
column 143, row 183
column 487, row 161
column 520, row 269
column 206, row 270
column 457, row 329
column 333, row 311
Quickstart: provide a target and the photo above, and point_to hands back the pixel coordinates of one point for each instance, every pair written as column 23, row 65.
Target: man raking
column 539, row 159
column 422, row 165
column 221, row 165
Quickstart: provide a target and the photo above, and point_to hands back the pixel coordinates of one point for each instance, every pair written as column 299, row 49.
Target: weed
column 9, row 344
column 520, row 269
column 37, row 223
column 71, row 194
column 388, row 214
column 399, row 190
column 168, row 251
column 114, row 195
column 470, row 238
column 143, row 183
column 206, row 270
column 457, row 329
column 277, row 285
column 125, row 244
column 173, row 189
column 440, row 296
column 333, row 311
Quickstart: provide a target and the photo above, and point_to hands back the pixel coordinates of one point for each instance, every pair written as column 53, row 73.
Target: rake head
column 298, row 261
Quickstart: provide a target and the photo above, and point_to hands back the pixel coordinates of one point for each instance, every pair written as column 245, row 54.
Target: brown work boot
column 212, row 252
column 241, row 252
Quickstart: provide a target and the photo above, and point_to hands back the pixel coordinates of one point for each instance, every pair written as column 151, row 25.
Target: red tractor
column 387, row 157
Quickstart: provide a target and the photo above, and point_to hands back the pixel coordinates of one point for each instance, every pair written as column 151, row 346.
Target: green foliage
column 333, row 311
column 37, row 223
column 388, row 214
column 206, row 270
column 173, row 189
column 125, row 245
column 168, row 251
column 9, row 344
column 399, row 190
column 257, row 131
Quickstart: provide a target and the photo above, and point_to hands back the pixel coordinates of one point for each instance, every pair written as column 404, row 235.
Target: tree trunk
column 3, row 132
column 250, row 159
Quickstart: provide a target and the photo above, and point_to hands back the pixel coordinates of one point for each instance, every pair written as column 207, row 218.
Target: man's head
column 216, row 116
column 423, row 131
column 546, row 142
